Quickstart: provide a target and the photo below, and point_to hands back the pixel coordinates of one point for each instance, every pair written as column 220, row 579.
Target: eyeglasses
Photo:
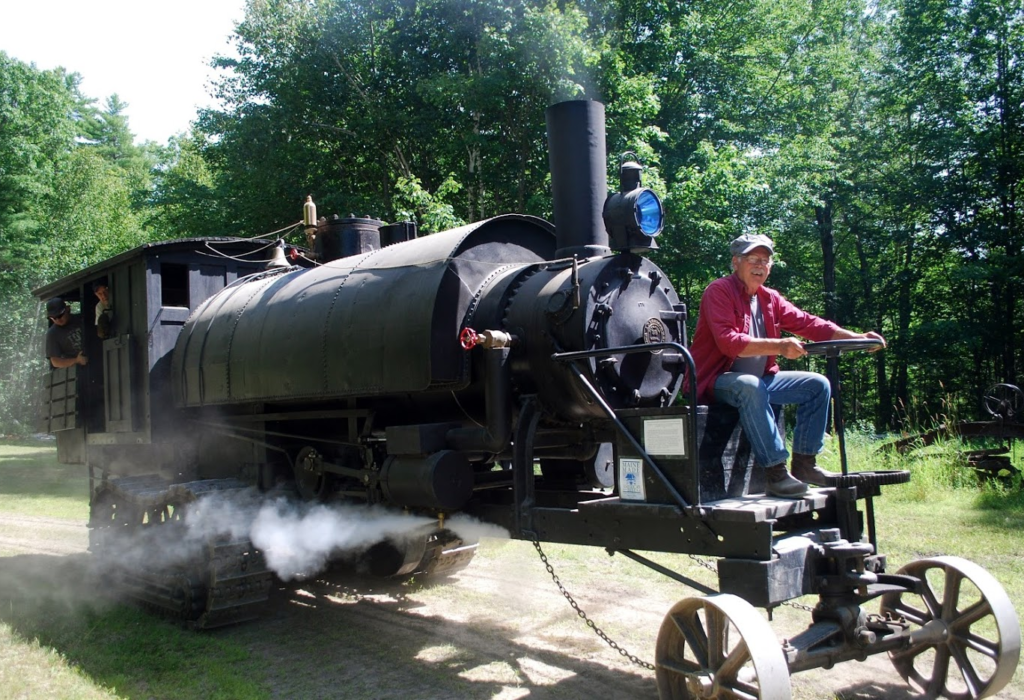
column 757, row 260
column 60, row 315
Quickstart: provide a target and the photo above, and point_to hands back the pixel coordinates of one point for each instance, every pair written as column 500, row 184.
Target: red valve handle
column 468, row 338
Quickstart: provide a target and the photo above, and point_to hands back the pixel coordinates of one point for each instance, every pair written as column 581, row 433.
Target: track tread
column 229, row 584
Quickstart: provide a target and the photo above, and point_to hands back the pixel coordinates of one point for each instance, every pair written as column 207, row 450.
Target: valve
column 469, row 339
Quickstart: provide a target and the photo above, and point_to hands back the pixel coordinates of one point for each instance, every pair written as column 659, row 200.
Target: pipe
column 579, row 177
column 496, row 436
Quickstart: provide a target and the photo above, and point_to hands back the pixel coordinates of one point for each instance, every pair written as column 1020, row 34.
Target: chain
column 705, row 563
column 799, row 606
column 583, row 616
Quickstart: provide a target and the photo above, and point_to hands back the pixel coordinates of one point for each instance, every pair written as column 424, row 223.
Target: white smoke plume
column 469, row 529
column 298, row 539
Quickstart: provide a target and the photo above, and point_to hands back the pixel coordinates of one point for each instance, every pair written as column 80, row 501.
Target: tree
column 65, row 203
column 107, row 130
column 343, row 100
column 184, row 200
column 878, row 142
column 954, row 102
column 36, row 130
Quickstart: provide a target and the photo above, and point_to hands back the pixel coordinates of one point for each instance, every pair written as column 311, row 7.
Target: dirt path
column 498, row 629
column 34, row 535
column 495, row 634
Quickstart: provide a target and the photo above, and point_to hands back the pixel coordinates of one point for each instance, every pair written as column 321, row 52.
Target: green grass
column 29, row 669
column 58, row 641
column 34, row 483
column 118, row 652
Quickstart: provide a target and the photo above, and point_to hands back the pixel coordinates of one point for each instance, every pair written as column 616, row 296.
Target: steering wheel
column 834, row 348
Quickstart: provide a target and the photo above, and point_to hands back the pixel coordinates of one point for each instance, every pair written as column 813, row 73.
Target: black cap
column 55, row 307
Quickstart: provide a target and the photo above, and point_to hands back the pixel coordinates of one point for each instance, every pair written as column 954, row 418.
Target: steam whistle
column 309, row 221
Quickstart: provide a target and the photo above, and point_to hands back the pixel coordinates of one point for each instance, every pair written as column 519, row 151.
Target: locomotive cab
column 115, row 409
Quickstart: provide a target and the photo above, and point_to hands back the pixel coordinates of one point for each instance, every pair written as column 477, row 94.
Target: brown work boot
column 780, row 483
column 806, row 470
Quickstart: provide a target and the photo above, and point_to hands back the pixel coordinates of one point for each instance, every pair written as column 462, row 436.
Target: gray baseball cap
column 748, row 241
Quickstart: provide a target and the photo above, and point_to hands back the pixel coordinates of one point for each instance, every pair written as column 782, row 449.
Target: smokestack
column 579, row 177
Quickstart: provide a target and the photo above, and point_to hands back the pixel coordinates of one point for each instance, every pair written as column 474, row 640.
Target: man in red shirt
column 738, row 337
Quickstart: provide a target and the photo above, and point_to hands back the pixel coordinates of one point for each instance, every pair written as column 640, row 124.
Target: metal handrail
column 691, row 438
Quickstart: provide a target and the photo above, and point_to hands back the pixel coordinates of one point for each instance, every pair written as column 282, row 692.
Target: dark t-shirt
column 65, row 341
column 753, row 365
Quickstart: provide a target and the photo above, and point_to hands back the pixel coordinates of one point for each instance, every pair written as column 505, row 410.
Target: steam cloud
column 298, row 539
column 470, row 529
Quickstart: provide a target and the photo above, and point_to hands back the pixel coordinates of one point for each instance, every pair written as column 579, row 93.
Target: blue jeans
column 753, row 396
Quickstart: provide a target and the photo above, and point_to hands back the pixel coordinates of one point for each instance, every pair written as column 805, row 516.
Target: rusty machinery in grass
column 1004, row 406
column 521, row 372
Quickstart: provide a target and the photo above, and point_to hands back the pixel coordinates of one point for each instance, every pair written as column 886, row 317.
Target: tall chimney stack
column 579, row 177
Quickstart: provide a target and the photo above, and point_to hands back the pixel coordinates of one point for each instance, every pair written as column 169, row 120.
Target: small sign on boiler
column 631, row 480
column 665, row 436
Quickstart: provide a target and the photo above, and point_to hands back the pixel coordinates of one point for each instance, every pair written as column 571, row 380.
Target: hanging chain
column 583, row 616
column 705, row 563
column 799, row 606
column 597, row 630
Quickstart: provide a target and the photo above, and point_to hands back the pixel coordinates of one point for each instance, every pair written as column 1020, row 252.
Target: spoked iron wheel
column 1004, row 401
column 719, row 647
column 965, row 607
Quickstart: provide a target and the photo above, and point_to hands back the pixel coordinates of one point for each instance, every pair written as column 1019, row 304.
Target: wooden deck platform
column 745, row 509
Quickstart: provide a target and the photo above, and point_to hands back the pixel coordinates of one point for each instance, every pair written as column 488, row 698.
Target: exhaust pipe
column 579, row 177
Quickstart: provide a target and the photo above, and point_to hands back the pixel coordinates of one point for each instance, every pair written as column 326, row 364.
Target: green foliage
column 939, row 471
column 352, row 99
column 36, row 132
column 73, row 189
column 430, row 212
column 107, row 131
column 880, row 144
column 707, row 206
column 184, row 200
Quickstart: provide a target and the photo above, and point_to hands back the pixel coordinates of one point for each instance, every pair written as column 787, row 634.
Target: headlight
column 634, row 215
column 650, row 215
column 633, row 219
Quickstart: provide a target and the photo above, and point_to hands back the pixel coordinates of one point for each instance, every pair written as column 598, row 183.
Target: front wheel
column 964, row 606
column 719, row 647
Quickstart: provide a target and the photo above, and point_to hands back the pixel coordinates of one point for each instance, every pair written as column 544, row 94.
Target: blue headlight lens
column 650, row 215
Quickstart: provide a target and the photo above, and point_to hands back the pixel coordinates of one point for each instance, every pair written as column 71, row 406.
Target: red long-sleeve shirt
column 723, row 329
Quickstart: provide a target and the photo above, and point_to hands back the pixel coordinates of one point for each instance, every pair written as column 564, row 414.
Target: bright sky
column 153, row 53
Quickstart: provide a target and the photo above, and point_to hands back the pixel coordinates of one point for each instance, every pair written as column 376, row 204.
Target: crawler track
column 137, row 524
